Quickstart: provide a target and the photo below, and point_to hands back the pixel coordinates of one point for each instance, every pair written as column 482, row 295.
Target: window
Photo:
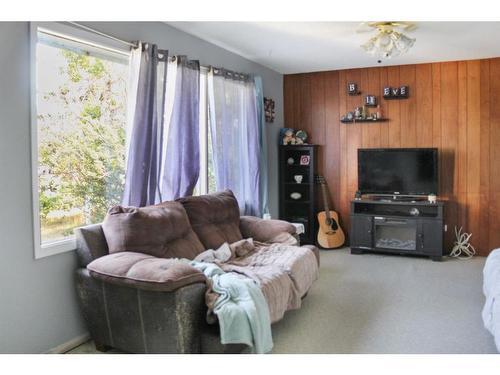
column 79, row 117
column 79, row 136
column 206, row 183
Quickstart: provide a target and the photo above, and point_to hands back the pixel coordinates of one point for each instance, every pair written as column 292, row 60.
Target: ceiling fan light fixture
column 385, row 39
column 404, row 43
column 370, row 46
column 388, row 42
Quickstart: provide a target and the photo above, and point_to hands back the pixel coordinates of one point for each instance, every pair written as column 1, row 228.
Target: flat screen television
column 398, row 171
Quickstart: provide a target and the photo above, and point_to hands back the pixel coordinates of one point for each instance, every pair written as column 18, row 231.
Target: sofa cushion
column 162, row 231
column 264, row 230
column 214, row 217
column 144, row 271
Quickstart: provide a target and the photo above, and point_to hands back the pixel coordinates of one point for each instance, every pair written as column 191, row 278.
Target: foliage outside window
column 81, row 118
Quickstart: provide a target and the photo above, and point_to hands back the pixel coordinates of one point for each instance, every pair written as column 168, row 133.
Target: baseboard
column 71, row 344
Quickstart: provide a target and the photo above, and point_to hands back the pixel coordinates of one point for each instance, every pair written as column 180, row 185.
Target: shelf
column 400, row 203
column 297, row 219
column 364, row 120
column 299, row 146
column 395, row 97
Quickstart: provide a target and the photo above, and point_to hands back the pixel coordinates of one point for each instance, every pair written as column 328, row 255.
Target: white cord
column 462, row 248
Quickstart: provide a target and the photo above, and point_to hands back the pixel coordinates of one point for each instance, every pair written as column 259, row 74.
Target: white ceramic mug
column 298, row 178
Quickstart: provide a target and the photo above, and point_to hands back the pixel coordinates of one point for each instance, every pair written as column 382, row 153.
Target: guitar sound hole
column 332, row 224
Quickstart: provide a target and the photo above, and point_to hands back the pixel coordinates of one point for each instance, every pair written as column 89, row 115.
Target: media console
column 397, row 227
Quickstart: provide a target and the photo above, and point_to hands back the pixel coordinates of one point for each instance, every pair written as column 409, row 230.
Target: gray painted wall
column 38, row 308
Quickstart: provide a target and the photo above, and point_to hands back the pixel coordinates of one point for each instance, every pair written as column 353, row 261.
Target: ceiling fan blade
column 364, row 27
column 406, row 26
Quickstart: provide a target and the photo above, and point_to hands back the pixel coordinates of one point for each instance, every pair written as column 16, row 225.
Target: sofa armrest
column 146, row 272
column 315, row 250
column 90, row 244
column 142, row 321
column 265, row 230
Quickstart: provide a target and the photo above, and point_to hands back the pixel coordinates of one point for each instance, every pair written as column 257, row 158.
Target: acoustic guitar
column 330, row 234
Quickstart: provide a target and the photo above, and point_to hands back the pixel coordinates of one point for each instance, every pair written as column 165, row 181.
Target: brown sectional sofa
column 137, row 296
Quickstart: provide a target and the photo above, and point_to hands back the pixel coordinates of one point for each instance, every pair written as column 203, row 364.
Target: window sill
column 57, row 247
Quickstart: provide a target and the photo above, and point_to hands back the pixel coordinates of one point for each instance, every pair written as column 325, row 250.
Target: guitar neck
column 325, row 200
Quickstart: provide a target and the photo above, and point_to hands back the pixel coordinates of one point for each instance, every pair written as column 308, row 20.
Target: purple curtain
column 144, row 153
column 181, row 167
column 163, row 161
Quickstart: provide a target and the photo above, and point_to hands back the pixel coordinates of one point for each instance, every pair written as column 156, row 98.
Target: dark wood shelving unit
column 301, row 210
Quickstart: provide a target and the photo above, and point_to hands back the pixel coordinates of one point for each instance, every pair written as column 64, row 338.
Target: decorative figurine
column 302, row 135
column 298, row 178
column 288, row 137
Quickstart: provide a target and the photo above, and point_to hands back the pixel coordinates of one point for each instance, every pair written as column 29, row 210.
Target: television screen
column 405, row 171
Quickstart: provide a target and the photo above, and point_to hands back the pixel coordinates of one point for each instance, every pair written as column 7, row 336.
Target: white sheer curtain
column 133, row 84
column 235, row 135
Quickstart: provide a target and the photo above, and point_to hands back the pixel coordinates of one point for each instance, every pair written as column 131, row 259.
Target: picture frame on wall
column 269, row 109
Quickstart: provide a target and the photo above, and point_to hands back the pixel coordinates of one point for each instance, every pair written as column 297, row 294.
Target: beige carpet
column 386, row 304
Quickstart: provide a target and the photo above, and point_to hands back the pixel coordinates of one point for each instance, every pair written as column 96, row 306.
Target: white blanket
column 222, row 254
column 491, row 289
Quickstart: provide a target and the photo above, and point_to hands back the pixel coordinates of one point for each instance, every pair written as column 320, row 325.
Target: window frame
column 73, row 34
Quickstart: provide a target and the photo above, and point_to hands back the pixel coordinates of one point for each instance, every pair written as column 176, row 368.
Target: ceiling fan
column 365, row 27
column 389, row 40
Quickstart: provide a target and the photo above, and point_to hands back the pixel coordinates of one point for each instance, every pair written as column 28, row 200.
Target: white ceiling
column 296, row 47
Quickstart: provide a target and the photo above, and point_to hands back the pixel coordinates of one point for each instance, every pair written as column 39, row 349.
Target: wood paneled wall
column 454, row 106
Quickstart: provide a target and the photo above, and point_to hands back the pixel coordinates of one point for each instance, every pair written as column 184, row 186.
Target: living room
column 215, row 184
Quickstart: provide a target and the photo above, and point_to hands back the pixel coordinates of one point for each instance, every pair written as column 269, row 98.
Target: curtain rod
column 133, row 45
